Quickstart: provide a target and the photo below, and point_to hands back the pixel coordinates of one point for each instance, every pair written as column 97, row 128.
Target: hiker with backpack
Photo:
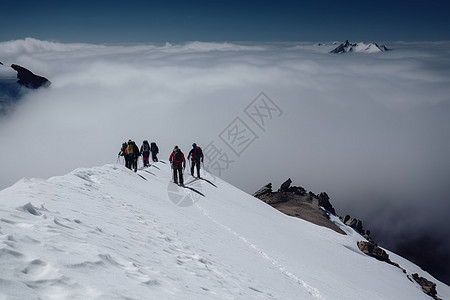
column 131, row 155
column 154, row 149
column 195, row 156
column 178, row 164
column 145, row 152
column 127, row 156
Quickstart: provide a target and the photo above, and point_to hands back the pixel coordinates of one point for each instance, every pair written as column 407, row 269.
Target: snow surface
column 108, row 233
column 363, row 47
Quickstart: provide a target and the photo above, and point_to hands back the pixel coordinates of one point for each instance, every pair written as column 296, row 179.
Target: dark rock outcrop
column 428, row 287
column 285, row 186
column 353, row 223
column 29, row 79
column 373, row 250
column 267, row 189
column 376, row 252
column 324, row 201
column 296, row 202
column 358, row 226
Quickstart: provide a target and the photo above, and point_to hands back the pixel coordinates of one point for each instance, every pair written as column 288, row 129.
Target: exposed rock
column 310, row 198
column 285, row 186
column 296, row 202
column 428, row 287
column 298, row 190
column 28, row 79
column 373, row 250
column 376, row 252
column 324, row 201
column 267, row 189
column 354, row 223
column 366, row 235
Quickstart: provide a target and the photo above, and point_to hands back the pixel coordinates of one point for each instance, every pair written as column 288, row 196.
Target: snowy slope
column 108, row 233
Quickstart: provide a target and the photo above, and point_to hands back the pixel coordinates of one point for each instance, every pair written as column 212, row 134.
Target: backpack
column 155, row 149
column 197, row 154
column 130, row 148
column 145, row 147
column 177, row 158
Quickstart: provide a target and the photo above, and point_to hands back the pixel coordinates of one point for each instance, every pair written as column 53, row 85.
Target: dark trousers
column 128, row 160
column 154, row 158
column 145, row 156
column 131, row 162
column 194, row 164
column 177, row 172
column 135, row 164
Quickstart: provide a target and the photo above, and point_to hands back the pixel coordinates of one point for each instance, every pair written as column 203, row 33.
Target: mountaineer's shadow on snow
column 194, row 190
column 180, row 197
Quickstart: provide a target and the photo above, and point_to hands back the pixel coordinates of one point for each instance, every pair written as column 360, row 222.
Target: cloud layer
column 372, row 130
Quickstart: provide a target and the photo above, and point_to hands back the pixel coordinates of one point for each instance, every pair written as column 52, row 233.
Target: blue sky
column 180, row 21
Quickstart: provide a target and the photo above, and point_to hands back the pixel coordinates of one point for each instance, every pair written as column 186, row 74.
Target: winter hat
column 176, row 149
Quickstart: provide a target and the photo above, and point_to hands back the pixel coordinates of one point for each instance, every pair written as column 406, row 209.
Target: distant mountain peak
column 359, row 47
column 28, row 78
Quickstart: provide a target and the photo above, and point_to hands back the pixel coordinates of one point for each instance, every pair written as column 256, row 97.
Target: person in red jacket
column 178, row 163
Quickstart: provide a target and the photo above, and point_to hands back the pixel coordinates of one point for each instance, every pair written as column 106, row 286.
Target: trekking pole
column 117, row 159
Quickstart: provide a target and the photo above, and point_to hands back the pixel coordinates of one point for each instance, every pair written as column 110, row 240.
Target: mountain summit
column 358, row 47
column 109, row 233
column 29, row 79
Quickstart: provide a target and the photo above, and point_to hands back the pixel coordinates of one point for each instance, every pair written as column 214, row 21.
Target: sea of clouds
column 372, row 130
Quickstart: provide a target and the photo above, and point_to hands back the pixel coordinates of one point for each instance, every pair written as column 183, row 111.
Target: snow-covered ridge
column 108, row 233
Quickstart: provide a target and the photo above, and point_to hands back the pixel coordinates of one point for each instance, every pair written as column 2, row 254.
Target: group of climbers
column 131, row 153
column 177, row 160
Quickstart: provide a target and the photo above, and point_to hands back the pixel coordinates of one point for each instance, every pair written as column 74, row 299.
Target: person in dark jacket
column 127, row 156
column 145, row 152
column 195, row 156
column 131, row 155
column 178, row 164
column 154, row 149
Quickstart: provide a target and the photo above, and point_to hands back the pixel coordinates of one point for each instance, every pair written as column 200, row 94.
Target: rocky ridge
column 295, row 201
column 29, row 79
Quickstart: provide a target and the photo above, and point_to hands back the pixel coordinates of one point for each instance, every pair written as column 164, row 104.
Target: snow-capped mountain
column 358, row 47
column 109, row 233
